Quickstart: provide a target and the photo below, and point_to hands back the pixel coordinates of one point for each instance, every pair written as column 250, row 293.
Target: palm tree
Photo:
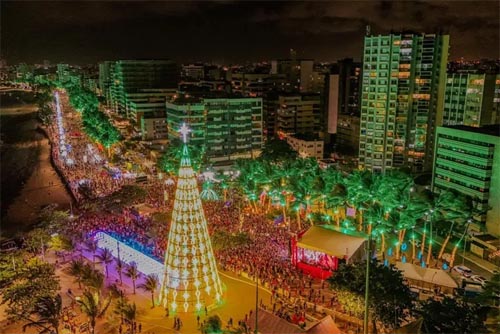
column 120, row 265
column 49, row 311
column 91, row 246
column 76, row 269
column 132, row 273
column 93, row 278
column 440, row 206
column 105, row 257
column 93, row 306
column 150, row 284
column 129, row 312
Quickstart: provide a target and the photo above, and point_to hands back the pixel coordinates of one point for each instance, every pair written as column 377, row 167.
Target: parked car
column 463, row 270
column 478, row 279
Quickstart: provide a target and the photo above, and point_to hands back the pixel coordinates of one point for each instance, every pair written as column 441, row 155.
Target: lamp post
column 367, row 282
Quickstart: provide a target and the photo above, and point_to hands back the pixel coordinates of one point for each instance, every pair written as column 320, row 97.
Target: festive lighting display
column 120, row 250
column 208, row 194
column 191, row 280
column 63, row 147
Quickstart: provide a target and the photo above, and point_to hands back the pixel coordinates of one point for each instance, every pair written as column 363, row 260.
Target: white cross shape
column 184, row 130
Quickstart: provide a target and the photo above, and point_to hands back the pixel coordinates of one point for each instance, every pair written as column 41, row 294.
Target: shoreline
column 29, row 177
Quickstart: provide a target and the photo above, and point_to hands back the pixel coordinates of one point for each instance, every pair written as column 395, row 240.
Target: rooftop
column 491, row 130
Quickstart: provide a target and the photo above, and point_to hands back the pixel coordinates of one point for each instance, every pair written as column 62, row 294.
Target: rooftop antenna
column 368, row 30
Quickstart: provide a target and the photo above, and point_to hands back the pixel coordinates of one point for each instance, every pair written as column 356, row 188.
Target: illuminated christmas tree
column 191, row 281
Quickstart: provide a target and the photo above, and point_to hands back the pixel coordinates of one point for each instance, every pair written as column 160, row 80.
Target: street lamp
column 367, row 282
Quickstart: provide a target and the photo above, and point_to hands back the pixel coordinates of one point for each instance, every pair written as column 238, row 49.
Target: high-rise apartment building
column 136, row 76
column 472, row 99
column 299, row 114
column 467, row 160
column 402, row 100
column 228, row 127
column 342, row 94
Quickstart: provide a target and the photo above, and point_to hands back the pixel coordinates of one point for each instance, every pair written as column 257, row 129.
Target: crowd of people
column 266, row 257
column 81, row 162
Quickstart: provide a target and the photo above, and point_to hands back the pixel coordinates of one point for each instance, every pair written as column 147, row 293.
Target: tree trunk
column 429, row 253
column 443, row 247
column 398, row 246
column 422, row 246
column 298, row 220
column 382, row 247
column 133, row 285
column 153, row 298
column 453, row 253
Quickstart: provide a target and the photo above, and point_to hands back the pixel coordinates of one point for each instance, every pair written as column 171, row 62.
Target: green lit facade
column 228, row 128
column 402, row 96
column 128, row 77
column 472, row 99
column 467, row 160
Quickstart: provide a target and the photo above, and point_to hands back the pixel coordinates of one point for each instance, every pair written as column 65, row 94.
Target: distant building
column 193, row 71
column 146, row 103
column 256, row 84
column 472, row 99
column 105, row 80
column 228, row 127
column 298, row 72
column 347, row 139
column 270, row 108
column 68, row 75
column 299, row 114
column 306, row 146
column 154, row 127
column 135, row 76
column 342, row 93
column 404, row 78
column 467, row 159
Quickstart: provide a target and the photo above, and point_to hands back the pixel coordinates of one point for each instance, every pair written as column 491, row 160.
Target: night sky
column 232, row 31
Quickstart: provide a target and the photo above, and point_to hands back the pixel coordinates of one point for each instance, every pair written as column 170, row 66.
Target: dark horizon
column 234, row 32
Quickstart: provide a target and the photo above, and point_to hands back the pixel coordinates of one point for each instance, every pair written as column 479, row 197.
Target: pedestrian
column 140, row 327
column 198, row 320
column 166, row 312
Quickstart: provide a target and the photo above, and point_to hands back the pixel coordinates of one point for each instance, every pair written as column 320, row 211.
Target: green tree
column 213, row 325
column 390, row 300
column 132, row 273
column 48, row 311
column 452, row 315
column 77, row 268
column 35, row 279
column 150, row 285
column 93, row 306
column 36, row 240
column 171, row 159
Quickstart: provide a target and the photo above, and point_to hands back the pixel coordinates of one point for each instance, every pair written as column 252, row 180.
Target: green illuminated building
column 467, row 160
column 403, row 85
column 130, row 77
column 472, row 99
column 228, row 127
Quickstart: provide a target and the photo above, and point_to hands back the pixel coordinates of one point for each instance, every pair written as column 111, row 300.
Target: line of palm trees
column 92, row 302
column 378, row 204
